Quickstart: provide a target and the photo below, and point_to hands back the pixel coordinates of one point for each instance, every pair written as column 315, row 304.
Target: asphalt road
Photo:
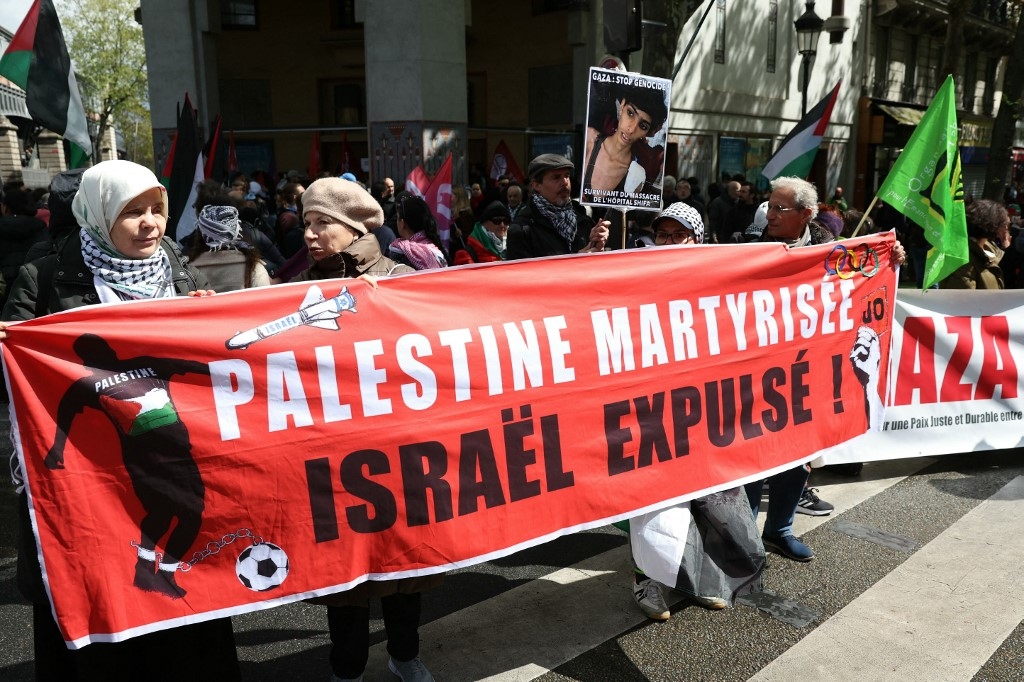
column 915, row 578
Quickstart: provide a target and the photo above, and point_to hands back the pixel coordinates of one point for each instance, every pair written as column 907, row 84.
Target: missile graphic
column 315, row 311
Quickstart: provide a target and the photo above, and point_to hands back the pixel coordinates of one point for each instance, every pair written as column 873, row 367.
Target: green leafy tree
column 107, row 47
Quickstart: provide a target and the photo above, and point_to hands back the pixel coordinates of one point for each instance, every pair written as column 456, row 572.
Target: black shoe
column 812, row 505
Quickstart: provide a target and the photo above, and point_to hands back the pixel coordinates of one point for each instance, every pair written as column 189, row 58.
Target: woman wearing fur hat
column 221, row 254
column 120, row 253
column 339, row 216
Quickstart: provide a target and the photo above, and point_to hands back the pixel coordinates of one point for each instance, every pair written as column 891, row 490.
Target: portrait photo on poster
column 624, row 147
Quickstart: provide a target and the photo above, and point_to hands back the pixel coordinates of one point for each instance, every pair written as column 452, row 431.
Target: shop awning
column 903, row 115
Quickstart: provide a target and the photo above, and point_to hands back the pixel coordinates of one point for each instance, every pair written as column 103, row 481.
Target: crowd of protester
column 257, row 231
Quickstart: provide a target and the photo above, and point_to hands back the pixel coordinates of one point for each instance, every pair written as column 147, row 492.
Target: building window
column 342, row 103
column 970, row 81
column 881, row 74
column 343, row 15
column 988, row 104
column 239, row 14
column 246, row 102
column 720, row 32
column 910, row 75
column 773, row 35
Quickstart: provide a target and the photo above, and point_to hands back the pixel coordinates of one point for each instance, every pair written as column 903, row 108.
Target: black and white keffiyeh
column 220, row 228
column 129, row 278
column 562, row 217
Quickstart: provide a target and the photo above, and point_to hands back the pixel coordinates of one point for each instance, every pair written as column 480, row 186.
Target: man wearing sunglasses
column 486, row 243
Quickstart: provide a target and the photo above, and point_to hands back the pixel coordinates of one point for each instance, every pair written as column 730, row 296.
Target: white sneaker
column 649, row 598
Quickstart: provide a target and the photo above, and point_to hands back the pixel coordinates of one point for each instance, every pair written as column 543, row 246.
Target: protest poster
column 624, row 150
column 194, row 458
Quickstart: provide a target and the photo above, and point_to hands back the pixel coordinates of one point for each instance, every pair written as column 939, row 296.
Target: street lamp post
column 808, row 28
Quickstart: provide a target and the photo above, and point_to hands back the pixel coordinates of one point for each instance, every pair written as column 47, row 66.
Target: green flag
column 925, row 185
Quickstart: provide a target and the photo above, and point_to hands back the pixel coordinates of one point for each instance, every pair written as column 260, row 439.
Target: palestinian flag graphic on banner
column 37, row 61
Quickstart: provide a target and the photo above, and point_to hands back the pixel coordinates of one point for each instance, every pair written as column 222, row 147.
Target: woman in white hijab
column 120, row 253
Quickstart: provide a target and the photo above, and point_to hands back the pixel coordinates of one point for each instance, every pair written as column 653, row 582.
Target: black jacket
column 531, row 235
column 68, row 282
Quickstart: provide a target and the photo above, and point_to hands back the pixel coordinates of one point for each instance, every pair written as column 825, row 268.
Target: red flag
column 232, row 158
column 417, row 182
column 439, row 199
column 210, row 149
column 313, row 169
column 503, row 163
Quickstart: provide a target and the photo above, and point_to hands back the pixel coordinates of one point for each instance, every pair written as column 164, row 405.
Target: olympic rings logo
column 846, row 263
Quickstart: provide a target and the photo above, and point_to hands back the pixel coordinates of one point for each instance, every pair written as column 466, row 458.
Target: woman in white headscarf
column 119, row 254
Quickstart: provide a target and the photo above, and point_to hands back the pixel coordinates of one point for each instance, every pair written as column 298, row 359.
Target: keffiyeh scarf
column 220, row 228
column 562, row 217
column 419, row 251
column 129, row 278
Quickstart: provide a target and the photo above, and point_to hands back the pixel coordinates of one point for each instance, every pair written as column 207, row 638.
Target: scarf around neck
column 562, row 217
column 129, row 278
column 419, row 251
column 488, row 240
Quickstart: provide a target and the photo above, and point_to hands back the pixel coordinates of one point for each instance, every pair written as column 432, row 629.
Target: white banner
column 954, row 380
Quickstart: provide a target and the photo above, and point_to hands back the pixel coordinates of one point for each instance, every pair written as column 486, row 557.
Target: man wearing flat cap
column 551, row 223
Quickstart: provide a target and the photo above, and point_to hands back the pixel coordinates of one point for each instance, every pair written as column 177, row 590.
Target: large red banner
column 200, row 457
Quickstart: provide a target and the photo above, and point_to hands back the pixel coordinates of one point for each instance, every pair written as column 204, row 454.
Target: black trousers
column 198, row 651
column 350, row 632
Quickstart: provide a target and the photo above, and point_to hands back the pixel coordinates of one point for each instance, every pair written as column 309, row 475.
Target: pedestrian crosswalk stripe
column 940, row 615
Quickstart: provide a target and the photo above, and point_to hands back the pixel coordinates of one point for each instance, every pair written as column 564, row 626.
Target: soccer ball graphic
column 262, row 567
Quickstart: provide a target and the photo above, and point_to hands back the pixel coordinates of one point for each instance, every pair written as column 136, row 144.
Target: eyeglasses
column 499, row 221
column 775, row 208
column 674, row 237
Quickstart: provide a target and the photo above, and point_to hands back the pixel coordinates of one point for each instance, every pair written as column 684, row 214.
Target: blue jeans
column 784, row 491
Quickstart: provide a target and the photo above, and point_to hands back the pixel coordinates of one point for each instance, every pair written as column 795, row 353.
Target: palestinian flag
column 37, row 61
column 795, row 156
column 187, row 170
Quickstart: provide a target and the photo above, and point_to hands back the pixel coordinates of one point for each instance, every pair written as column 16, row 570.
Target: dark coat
column 531, row 235
column 71, row 281
column 362, row 257
column 17, row 235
